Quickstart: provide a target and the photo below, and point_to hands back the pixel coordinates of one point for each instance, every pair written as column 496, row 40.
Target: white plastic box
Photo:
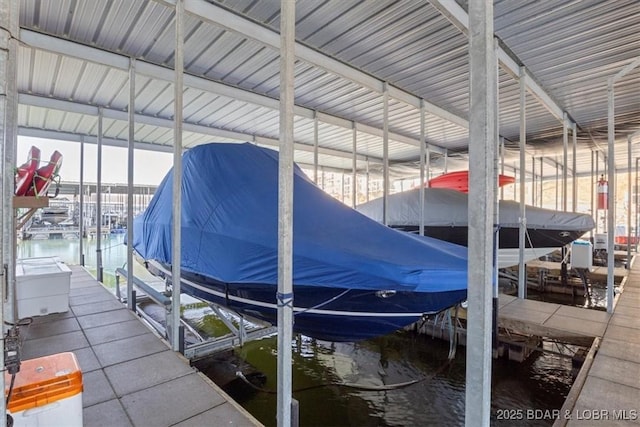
column 581, row 254
column 47, row 392
column 600, row 241
column 42, row 286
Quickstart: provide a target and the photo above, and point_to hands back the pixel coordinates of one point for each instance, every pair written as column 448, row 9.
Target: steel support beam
column 99, row 269
column 482, row 182
column 522, row 273
column 176, row 224
column 81, row 224
column 611, row 205
column 9, row 16
column 422, row 185
column 285, row 295
column 131, row 143
column 565, row 163
column 385, row 155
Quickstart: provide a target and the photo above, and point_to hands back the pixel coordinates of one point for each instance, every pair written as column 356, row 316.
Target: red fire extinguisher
column 603, row 190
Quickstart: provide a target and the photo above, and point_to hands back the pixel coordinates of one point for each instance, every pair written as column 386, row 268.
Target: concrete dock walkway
column 131, row 377
column 610, row 394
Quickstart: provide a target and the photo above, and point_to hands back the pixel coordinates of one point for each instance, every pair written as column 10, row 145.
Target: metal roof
column 75, row 56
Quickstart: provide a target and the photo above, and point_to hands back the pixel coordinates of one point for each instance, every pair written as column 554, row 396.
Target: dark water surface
column 541, row 383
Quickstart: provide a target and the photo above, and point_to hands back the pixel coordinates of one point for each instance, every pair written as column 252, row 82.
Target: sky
column 149, row 167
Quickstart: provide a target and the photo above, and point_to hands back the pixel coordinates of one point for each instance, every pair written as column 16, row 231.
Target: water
column 114, row 253
column 437, row 399
column 320, row 369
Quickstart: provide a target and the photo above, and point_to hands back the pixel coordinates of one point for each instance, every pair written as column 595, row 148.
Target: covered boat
column 446, row 218
column 353, row 277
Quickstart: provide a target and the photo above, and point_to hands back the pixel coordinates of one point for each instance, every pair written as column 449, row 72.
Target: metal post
column 315, row 147
column 565, row 160
column 81, row 210
column 132, row 117
column 557, row 182
column 496, row 207
column 522, row 278
column 176, row 226
column 285, row 212
column 483, row 82
column 541, row 181
column 635, row 200
column 611, row 206
column 367, row 180
column 629, row 204
column 99, row 201
column 593, row 210
column 534, row 182
column 422, row 161
column 446, row 158
column 385, row 154
column 354, row 168
column 9, row 13
column 574, row 194
column 501, row 165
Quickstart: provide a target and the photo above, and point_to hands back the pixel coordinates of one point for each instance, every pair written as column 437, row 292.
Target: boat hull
column 539, row 242
column 331, row 314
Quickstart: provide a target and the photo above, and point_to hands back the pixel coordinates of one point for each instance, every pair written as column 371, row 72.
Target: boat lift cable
column 363, row 387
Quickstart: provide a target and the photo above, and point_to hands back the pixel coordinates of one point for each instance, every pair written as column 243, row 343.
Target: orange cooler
column 47, row 392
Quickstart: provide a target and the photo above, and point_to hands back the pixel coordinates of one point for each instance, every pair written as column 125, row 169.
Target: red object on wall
column 603, row 192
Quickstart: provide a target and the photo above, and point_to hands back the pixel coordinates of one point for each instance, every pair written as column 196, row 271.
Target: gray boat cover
column 444, row 207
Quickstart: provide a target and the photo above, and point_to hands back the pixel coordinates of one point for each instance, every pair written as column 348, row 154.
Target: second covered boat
column 446, row 218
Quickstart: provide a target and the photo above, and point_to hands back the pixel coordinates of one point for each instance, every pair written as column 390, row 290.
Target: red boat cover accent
column 25, row 173
column 45, row 175
column 459, row 181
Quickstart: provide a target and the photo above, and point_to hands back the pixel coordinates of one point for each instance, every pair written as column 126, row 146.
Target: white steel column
column 534, row 182
column 9, row 13
column 422, row 162
column 541, row 181
column 574, row 193
column 315, row 147
column 502, row 165
column 557, row 181
column 176, row 241
column 565, row 161
column 81, row 210
column 594, row 178
column 522, row 278
column 629, row 204
column 132, row 111
column 385, row 154
column 611, row 205
column 354, row 168
column 285, row 211
column 482, row 133
column 99, row 200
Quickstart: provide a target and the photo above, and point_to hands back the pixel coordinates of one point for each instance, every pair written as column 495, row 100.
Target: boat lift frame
column 237, row 337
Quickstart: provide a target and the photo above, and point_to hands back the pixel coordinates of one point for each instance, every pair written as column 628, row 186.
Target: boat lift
column 203, row 346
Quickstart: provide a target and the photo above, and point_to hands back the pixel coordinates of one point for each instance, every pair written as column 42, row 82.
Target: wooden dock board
column 131, row 377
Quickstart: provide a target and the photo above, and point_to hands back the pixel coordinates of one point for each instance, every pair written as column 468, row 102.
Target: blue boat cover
column 230, row 230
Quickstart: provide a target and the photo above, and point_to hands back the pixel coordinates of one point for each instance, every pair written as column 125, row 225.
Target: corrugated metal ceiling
column 570, row 47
